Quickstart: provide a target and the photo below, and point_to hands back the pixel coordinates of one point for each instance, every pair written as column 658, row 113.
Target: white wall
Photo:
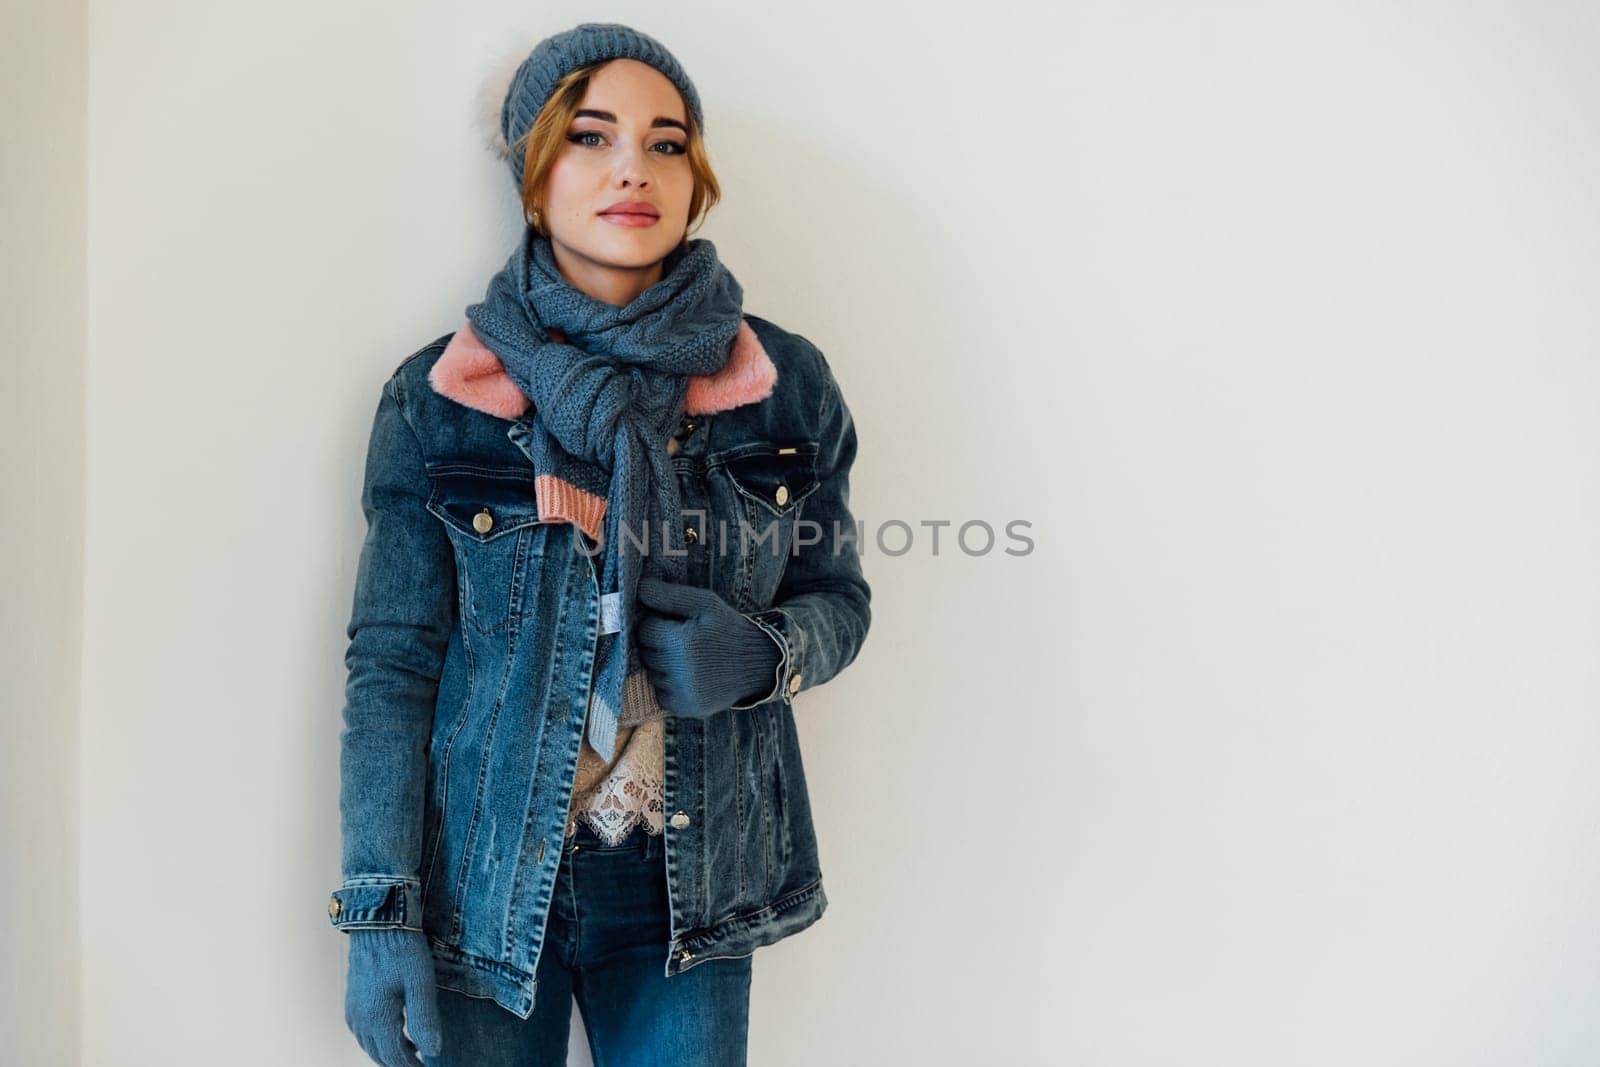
column 42, row 292
column 1276, row 321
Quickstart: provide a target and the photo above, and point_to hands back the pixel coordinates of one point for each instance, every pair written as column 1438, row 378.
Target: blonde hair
column 547, row 138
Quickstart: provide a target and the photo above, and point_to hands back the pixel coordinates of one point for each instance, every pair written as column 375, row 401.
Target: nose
column 632, row 169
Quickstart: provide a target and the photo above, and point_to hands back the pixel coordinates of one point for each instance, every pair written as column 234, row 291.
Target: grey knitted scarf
column 605, row 401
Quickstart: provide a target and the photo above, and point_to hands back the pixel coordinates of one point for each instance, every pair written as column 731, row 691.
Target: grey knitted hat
column 530, row 85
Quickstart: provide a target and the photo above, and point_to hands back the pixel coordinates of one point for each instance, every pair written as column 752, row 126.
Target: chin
column 630, row 250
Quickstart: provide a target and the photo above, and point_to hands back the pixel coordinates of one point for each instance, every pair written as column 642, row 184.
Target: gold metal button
column 482, row 521
column 333, row 907
column 689, row 535
column 680, row 820
column 794, row 684
column 782, row 495
column 684, row 955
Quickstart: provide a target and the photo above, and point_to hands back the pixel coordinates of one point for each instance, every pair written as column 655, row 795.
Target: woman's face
column 617, row 199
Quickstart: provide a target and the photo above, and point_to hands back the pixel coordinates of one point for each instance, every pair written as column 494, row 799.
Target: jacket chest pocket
column 761, row 487
column 492, row 517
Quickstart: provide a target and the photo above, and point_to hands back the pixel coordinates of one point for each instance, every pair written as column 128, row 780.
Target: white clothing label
column 611, row 613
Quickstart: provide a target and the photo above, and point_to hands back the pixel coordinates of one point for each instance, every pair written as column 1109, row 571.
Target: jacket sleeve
column 399, row 630
column 822, row 609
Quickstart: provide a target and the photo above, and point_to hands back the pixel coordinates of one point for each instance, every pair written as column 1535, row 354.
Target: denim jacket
column 471, row 655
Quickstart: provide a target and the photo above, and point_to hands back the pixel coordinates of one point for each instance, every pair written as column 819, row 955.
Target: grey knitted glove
column 391, row 970
column 703, row 655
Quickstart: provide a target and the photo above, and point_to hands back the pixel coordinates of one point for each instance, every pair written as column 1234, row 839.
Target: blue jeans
column 606, row 945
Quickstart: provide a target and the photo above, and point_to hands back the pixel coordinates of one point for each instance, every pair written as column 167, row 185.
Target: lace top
column 614, row 798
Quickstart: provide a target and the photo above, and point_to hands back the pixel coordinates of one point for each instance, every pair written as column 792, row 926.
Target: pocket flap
column 777, row 476
column 484, row 503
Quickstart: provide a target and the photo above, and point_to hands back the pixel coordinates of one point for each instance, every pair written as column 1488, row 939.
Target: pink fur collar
column 469, row 373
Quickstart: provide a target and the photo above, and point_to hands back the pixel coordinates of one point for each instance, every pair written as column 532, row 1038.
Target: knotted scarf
column 605, row 400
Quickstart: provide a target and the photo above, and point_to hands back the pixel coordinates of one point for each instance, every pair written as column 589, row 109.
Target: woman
column 586, row 601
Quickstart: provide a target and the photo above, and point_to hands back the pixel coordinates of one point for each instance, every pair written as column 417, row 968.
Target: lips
column 636, row 210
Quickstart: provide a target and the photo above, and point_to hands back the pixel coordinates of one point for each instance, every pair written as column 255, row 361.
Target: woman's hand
column 702, row 654
column 391, row 982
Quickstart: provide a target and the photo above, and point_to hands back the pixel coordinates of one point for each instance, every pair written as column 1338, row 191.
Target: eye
column 578, row 138
column 676, row 148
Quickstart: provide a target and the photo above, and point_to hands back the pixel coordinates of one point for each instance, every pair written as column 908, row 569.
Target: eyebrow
column 611, row 116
